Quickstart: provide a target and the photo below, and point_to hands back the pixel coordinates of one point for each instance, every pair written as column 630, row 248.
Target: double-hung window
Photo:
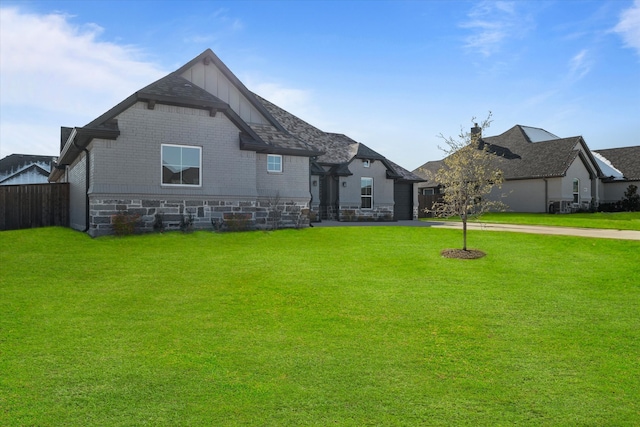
column 181, row 165
column 366, row 193
column 274, row 163
column 576, row 190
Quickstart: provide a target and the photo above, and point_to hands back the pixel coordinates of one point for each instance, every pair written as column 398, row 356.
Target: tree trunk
column 464, row 232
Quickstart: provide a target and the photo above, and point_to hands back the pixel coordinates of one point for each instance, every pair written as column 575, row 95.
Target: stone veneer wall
column 237, row 215
column 355, row 213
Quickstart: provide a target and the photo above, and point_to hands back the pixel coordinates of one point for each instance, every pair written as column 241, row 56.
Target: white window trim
column 199, row 166
column 366, row 163
column 361, row 195
column 281, row 161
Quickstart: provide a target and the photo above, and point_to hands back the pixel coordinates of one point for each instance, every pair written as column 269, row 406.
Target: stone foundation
column 213, row 214
column 355, row 213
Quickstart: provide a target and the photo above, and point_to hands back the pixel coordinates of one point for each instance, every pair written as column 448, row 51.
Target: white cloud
column 580, row 65
column 493, row 23
column 288, row 98
column 629, row 26
column 53, row 68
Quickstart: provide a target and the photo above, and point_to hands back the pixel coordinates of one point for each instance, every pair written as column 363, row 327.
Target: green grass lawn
column 616, row 221
column 349, row 326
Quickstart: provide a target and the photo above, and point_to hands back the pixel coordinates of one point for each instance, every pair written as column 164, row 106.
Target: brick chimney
column 476, row 134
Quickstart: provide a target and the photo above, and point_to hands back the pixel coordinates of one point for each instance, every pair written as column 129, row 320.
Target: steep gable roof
column 282, row 133
column 15, row 166
column 533, row 160
column 522, row 153
column 209, row 57
column 520, row 157
column 624, row 159
column 176, row 90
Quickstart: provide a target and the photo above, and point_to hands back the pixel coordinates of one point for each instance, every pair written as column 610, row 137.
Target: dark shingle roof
column 337, row 149
column 176, row 88
column 520, row 158
column 273, row 136
column 404, row 174
column 428, row 170
column 15, row 162
column 625, row 159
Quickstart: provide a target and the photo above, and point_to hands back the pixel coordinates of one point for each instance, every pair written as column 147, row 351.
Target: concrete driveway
column 532, row 229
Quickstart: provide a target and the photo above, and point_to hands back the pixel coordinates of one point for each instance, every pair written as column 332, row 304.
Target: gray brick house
column 542, row 172
column 198, row 143
column 621, row 168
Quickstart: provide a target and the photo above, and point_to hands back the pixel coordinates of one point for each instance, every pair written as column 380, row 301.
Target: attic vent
column 187, row 85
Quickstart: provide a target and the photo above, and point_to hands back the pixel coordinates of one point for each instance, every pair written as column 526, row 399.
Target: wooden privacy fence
column 426, row 201
column 33, row 205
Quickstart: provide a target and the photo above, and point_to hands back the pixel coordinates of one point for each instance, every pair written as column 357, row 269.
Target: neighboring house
column 621, row 168
column 17, row 169
column 197, row 142
column 542, row 172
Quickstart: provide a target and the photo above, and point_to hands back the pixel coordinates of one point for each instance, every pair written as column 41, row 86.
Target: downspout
column 86, row 191
column 546, row 195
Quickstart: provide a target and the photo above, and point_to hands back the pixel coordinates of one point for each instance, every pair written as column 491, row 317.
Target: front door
column 329, row 197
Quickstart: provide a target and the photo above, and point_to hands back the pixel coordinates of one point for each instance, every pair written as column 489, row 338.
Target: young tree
column 467, row 177
column 631, row 201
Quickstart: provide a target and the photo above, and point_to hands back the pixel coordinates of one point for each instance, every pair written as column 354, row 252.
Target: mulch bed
column 462, row 254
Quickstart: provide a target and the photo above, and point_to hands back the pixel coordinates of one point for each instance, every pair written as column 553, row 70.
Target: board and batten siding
column 211, row 79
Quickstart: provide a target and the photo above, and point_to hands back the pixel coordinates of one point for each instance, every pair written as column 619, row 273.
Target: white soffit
column 606, row 167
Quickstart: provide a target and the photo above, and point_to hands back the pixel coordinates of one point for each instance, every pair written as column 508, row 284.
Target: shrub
column 218, row 224
column 186, row 222
column 631, row 201
column 124, row 223
column 158, row 223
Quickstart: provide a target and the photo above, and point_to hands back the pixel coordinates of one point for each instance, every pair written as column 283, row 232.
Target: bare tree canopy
column 467, row 177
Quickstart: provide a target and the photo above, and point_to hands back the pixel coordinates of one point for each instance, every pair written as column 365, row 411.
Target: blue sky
column 390, row 74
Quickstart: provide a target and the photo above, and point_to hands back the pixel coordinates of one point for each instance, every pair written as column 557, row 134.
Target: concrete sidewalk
column 532, row 229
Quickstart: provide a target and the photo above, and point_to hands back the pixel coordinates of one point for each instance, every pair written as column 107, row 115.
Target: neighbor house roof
column 24, row 169
column 522, row 153
column 625, row 160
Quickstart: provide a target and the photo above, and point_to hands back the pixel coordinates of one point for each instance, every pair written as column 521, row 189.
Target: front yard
column 324, row 326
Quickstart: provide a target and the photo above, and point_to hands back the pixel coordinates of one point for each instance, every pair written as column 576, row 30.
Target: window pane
column 191, row 157
column 191, row 176
column 366, row 202
column 366, row 186
column 180, row 165
column 171, row 155
column 274, row 163
column 170, row 175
